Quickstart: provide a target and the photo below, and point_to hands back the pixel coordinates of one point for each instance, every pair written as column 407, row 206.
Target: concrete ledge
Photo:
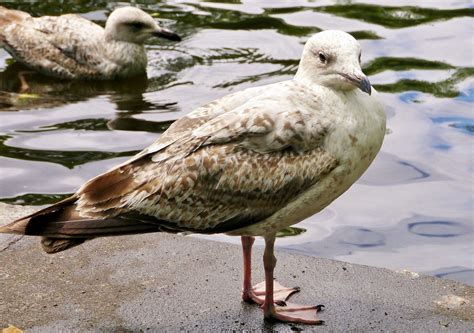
column 161, row 282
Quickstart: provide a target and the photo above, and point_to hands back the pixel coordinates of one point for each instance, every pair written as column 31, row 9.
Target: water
column 413, row 209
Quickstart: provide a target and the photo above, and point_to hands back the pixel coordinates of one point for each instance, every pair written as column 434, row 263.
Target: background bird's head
column 332, row 59
column 133, row 25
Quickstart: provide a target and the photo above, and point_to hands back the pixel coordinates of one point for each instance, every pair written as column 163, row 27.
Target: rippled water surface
column 413, row 209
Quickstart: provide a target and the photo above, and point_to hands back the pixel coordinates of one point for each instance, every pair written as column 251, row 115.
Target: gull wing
column 185, row 125
column 224, row 173
column 235, row 169
column 55, row 45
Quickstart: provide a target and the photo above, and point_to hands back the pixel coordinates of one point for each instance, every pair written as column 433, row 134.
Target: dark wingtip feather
column 34, row 223
column 16, row 227
column 4, row 230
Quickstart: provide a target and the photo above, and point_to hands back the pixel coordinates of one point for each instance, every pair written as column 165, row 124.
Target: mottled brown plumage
column 209, row 176
column 72, row 47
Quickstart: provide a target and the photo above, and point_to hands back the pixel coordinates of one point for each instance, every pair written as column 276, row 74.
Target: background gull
column 69, row 46
column 249, row 164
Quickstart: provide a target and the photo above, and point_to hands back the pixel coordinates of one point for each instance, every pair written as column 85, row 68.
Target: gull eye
column 322, row 57
column 137, row 25
column 360, row 57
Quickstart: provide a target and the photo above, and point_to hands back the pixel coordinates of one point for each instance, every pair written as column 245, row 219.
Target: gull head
column 331, row 58
column 133, row 25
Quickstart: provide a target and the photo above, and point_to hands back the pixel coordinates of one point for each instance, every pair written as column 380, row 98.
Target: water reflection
column 46, row 92
column 465, row 125
column 382, row 244
column 455, row 273
column 415, row 200
column 445, row 88
column 35, row 199
column 400, row 171
column 437, row 228
column 69, row 158
column 290, row 231
column 393, row 16
column 362, row 237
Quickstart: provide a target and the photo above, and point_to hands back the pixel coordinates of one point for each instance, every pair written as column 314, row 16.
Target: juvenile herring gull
column 71, row 47
column 248, row 164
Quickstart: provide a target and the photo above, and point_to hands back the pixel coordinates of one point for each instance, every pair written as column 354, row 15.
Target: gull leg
column 247, row 291
column 256, row 294
column 24, row 85
column 288, row 312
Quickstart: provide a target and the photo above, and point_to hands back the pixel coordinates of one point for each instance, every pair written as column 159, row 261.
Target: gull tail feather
column 63, row 228
column 55, row 245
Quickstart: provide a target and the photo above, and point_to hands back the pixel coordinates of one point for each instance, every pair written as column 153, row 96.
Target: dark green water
column 412, row 210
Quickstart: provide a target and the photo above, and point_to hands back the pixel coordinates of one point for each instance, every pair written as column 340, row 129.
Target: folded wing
column 55, row 45
column 227, row 170
column 231, row 171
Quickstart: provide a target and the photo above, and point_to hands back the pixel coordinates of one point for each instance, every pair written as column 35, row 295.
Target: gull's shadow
column 48, row 92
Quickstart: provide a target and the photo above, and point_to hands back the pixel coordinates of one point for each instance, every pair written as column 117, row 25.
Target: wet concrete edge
column 162, row 282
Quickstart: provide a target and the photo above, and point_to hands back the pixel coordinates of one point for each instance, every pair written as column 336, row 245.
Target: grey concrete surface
column 161, row 282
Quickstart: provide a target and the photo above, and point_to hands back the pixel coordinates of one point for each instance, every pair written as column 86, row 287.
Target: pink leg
column 256, row 293
column 247, row 291
column 289, row 312
column 269, row 263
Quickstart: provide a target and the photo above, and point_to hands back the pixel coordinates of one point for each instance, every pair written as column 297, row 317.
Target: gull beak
column 360, row 81
column 167, row 34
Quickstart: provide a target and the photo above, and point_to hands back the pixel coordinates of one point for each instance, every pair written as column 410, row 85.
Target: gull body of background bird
column 248, row 164
column 72, row 47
